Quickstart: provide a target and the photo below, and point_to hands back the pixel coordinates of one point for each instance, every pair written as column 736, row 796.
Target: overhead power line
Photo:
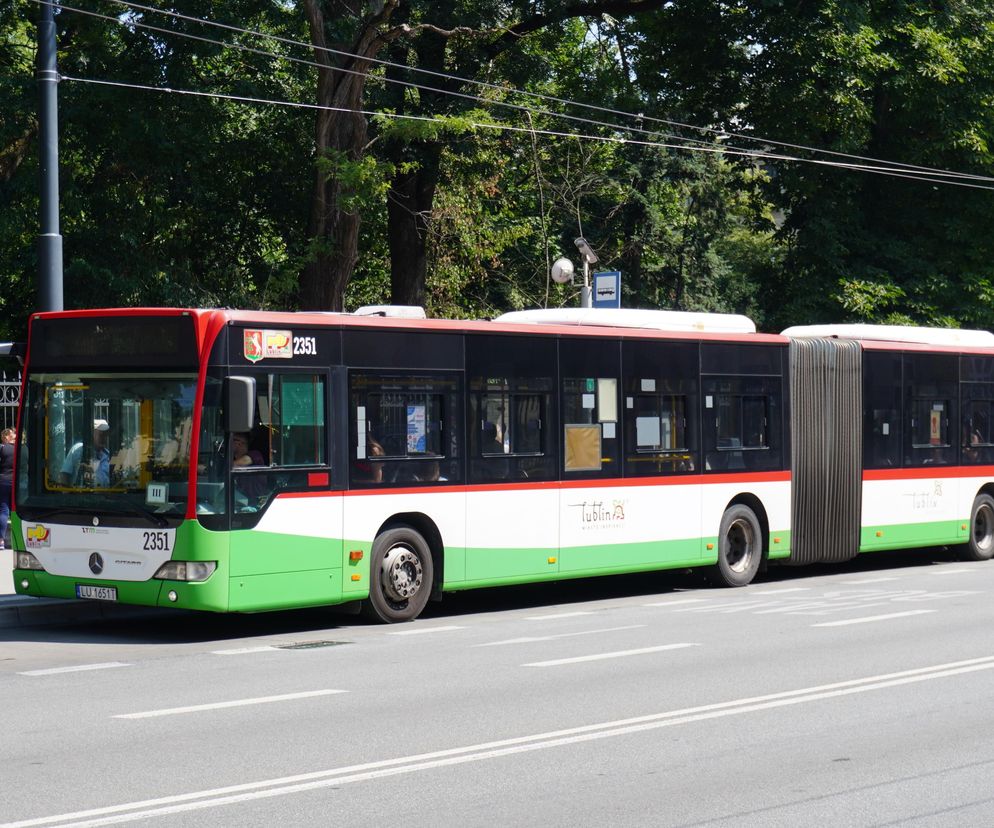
column 520, row 129
column 397, row 81
column 875, row 165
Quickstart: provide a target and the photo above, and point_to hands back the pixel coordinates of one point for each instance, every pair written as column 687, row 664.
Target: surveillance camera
column 585, row 250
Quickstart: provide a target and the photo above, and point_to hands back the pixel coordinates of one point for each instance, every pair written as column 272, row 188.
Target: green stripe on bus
column 487, row 566
column 910, row 535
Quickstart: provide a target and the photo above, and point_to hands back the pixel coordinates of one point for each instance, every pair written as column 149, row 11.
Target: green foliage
column 363, row 181
column 170, row 199
column 165, row 199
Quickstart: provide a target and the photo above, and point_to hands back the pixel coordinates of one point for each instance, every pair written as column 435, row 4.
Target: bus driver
column 96, row 472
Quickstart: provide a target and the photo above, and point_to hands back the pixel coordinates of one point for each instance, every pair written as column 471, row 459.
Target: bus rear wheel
column 981, row 544
column 400, row 576
column 740, row 547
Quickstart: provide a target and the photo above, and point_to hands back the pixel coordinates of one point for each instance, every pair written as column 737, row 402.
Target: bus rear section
column 892, row 446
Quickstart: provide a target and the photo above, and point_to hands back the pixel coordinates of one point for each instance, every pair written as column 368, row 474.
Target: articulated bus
column 238, row 461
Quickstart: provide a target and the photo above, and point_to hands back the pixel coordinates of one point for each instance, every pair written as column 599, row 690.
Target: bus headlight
column 25, row 560
column 186, row 570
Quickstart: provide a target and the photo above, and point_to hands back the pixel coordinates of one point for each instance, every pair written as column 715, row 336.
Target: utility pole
column 50, row 240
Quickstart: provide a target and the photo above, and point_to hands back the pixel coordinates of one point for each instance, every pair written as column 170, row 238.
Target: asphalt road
column 856, row 695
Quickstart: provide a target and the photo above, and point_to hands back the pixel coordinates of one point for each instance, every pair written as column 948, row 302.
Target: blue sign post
column 607, row 289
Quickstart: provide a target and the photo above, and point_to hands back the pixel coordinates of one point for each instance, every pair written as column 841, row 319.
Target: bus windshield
column 106, row 443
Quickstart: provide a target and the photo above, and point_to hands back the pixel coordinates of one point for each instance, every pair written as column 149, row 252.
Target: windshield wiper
column 143, row 511
column 43, row 514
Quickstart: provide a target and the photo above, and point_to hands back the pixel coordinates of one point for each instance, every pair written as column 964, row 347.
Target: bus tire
column 980, row 547
column 740, row 547
column 400, row 576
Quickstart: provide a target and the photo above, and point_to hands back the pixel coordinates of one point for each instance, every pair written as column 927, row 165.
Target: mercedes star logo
column 96, row 563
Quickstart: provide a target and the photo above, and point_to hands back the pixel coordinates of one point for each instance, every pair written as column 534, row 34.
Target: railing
column 10, row 395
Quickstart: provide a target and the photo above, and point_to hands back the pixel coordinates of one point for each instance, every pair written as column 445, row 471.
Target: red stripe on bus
column 544, row 485
column 928, row 472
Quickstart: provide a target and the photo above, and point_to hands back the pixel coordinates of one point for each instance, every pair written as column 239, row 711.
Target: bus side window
column 660, row 383
column 931, row 396
column 976, row 438
column 658, row 441
column 883, row 401
column 290, row 433
column 507, row 435
column 742, row 418
column 408, row 420
column 590, row 425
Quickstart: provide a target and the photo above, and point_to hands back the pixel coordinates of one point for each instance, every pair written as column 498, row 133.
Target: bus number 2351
column 305, row 345
column 156, row 541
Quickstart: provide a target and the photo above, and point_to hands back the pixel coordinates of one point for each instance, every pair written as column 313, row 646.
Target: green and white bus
column 238, row 461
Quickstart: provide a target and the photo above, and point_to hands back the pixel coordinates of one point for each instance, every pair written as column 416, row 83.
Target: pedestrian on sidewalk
column 7, row 438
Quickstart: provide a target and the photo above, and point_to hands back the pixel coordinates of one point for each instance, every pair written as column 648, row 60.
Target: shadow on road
column 176, row 627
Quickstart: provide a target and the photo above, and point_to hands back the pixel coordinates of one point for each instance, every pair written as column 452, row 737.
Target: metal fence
column 10, row 395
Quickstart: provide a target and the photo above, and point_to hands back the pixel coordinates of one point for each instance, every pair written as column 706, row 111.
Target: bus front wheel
column 400, row 576
column 981, row 544
column 740, row 547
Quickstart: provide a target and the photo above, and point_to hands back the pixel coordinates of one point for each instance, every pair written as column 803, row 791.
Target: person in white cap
column 96, row 472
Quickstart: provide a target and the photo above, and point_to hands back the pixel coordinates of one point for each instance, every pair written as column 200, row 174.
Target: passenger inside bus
column 250, row 490
column 366, row 470
column 95, row 471
column 971, row 439
column 241, row 454
column 490, row 443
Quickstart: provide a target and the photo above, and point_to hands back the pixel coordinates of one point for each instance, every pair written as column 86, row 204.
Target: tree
column 342, row 133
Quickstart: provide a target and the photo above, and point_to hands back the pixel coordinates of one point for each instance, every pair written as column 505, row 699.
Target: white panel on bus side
column 633, row 526
column 511, row 533
column 906, row 502
column 310, row 516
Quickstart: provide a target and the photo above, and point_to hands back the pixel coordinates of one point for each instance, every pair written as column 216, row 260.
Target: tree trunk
column 412, row 190
column 408, row 222
column 341, row 137
column 334, row 232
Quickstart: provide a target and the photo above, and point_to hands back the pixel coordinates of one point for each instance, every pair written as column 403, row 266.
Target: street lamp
column 589, row 258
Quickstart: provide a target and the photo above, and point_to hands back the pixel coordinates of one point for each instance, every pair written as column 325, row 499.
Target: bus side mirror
column 239, row 404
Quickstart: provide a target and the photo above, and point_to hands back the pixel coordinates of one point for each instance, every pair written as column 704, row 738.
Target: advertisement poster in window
column 935, row 427
column 416, row 437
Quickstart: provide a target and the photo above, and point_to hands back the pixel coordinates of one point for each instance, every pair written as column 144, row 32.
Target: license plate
column 99, row 593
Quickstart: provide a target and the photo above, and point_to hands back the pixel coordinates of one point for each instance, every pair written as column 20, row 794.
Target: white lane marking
column 281, row 786
column 553, row 617
column 677, row 603
column 949, row 571
column 198, row 708
column 244, row 650
column 782, row 591
column 830, row 609
column 600, row 656
column 792, row 608
column 870, row 581
column 751, row 605
column 79, row 668
column 867, row 619
column 533, row 638
column 736, row 603
column 424, row 630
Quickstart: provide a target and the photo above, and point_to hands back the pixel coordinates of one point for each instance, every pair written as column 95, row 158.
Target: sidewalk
column 6, row 572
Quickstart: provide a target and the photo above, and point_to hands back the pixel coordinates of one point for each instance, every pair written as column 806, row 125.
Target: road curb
column 19, row 611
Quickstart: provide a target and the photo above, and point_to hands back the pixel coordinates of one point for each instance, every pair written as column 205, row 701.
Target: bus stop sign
column 607, row 289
